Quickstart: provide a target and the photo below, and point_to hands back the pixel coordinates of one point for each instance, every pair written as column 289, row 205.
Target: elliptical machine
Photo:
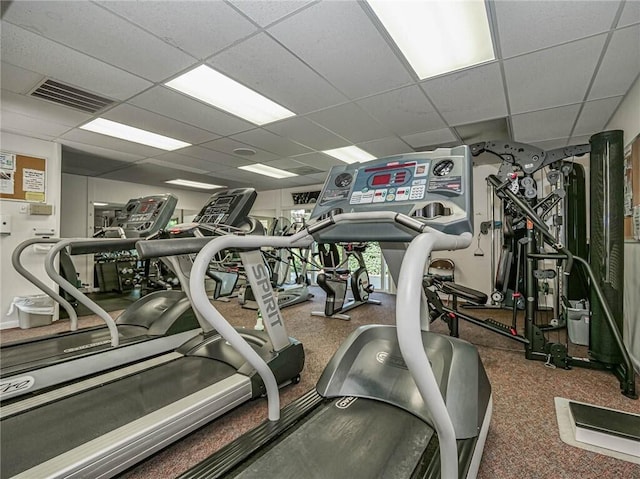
column 337, row 278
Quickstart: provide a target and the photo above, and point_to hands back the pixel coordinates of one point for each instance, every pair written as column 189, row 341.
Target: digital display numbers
column 379, row 180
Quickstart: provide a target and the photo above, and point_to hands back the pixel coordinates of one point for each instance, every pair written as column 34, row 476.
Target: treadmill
column 156, row 323
column 394, row 401
column 100, row 426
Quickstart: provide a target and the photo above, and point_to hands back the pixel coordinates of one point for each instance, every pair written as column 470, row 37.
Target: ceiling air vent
column 66, row 95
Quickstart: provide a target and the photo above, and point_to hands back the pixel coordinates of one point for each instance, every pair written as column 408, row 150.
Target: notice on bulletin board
column 7, row 173
column 32, row 180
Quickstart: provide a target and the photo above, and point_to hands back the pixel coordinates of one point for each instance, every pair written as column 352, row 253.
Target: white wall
column 627, row 116
column 23, row 224
column 80, row 192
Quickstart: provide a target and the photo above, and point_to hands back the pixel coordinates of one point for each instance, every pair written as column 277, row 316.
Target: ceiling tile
column 227, row 145
column 181, row 162
column 630, row 13
column 286, row 164
column 544, row 124
column 146, row 120
column 385, row 147
column 90, row 29
column 270, row 142
column 18, row 122
column 217, row 158
column 468, row 96
column 497, row 129
column 318, row 160
column 430, row 138
column 183, row 108
column 265, row 13
column 527, row 26
column 620, row 66
column 77, row 162
column 403, row 111
column 307, row 133
column 350, row 122
column 541, row 80
column 200, row 28
column 339, row 41
column 97, row 151
column 18, row 80
column 32, row 52
column 146, row 173
column 42, row 109
column 595, row 115
column 265, row 66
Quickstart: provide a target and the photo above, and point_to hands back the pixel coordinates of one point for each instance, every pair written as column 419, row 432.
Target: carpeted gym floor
column 523, row 440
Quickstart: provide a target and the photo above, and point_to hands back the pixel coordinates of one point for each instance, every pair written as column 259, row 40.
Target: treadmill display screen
column 381, row 179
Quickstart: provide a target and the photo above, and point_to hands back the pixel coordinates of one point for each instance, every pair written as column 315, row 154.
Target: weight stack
column 576, row 230
column 607, row 240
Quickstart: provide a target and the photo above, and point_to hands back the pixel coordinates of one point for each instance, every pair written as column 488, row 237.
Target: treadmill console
column 228, row 207
column 433, row 185
column 142, row 217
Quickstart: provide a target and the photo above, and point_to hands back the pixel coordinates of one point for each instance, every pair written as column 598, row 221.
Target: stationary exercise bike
column 337, row 278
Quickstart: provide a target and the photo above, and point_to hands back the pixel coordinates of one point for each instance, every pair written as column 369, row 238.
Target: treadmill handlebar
column 170, row 247
column 101, row 245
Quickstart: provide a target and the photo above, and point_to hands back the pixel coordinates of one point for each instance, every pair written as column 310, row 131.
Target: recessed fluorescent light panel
column 194, row 184
column 267, row 171
column 437, row 37
column 214, row 88
column 136, row 135
column 350, row 154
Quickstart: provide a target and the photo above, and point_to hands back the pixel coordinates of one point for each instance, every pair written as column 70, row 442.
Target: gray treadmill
column 394, row 401
column 156, row 323
column 102, row 425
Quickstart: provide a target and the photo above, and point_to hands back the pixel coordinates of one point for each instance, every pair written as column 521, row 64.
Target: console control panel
column 144, row 216
column 434, row 185
column 228, row 207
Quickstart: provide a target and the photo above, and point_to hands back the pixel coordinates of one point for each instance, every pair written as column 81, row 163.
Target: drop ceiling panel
column 148, row 173
column 18, row 122
column 77, row 162
column 527, row 26
column 544, row 124
column 18, row 80
column 265, row 13
column 172, row 104
column 42, row 109
column 36, row 53
column 386, row 147
column 265, row 66
column 620, row 65
column 307, row 133
column 429, row 138
column 108, row 142
column 270, row 142
column 200, row 28
column 338, row 40
column 98, row 151
column 595, row 115
column 468, row 96
column 630, row 13
column 146, row 120
column 90, row 29
column 181, row 162
column 542, row 80
column 215, row 157
column 350, row 122
column 318, row 160
column 227, row 145
column 403, row 111
column 286, row 164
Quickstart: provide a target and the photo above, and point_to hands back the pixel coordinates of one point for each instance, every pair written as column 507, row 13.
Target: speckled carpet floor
column 523, row 440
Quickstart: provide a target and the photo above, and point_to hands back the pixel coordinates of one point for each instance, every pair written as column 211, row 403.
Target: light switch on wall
column 5, row 224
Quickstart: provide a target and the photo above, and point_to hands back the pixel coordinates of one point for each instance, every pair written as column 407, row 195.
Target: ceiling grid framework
column 561, row 70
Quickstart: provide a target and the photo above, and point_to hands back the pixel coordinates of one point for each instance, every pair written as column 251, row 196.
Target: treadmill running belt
column 38, row 435
column 347, row 439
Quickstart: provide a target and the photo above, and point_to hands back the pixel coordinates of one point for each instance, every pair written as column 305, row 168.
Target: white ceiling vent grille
column 66, row 95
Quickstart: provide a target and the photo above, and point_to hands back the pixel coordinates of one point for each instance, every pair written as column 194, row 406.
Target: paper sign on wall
column 33, row 180
column 7, row 173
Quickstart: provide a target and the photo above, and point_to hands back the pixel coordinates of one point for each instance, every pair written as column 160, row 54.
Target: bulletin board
column 22, row 177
